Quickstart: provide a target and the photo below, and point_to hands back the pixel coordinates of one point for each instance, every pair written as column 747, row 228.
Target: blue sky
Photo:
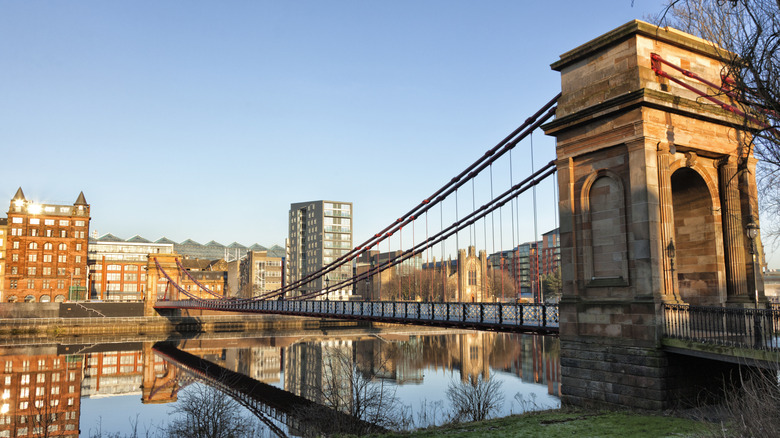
column 205, row 120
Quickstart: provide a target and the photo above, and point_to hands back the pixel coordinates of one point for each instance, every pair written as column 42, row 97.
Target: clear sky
column 206, row 119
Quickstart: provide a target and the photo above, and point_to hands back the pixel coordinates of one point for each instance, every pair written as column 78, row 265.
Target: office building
column 118, row 267
column 319, row 233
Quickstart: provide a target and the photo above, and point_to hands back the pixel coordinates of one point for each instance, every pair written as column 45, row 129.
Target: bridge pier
column 650, row 213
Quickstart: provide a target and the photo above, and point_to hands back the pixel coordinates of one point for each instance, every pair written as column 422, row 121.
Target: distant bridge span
column 504, row 317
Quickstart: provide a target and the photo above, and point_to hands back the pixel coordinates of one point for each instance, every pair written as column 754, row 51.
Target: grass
column 569, row 423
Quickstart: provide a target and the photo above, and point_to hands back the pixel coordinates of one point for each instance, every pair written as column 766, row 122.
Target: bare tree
column 368, row 402
column 205, row 412
column 746, row 35
column 476, row 399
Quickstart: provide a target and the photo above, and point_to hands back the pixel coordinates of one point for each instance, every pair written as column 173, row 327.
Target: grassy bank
column 570, row 423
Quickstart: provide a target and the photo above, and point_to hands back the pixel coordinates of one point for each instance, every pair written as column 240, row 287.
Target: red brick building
column 46, row 250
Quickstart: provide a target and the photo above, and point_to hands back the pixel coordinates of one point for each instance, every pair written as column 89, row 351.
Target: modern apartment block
column 319, row 233
column 46, row 250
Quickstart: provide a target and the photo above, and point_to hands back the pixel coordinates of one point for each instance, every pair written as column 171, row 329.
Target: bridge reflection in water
column 84, row 384
column 409, row 358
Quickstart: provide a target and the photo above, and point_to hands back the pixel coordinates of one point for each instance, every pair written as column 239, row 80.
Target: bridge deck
column 505, row 317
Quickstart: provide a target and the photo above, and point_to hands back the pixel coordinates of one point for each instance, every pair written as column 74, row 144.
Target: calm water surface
column 104, row 389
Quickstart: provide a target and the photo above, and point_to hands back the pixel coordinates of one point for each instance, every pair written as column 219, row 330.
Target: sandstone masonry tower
column 653, row 210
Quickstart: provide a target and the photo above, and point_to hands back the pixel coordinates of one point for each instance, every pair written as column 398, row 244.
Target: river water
column 133, row 388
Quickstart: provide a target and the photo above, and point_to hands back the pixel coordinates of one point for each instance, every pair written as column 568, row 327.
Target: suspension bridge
column 656, row 205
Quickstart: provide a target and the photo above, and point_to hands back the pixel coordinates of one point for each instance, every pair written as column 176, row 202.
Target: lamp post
column 327, row 286
column 752, row 232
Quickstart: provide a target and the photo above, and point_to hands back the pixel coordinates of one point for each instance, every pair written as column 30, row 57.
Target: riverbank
column 570, row 422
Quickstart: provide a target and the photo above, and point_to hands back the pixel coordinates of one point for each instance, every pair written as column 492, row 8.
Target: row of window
column 45, row 271
column 99, row 267
column 46, row 246
column 47, row 258
column 34, row 232
column 48, row 222
column 9, row 366
column 45, row 284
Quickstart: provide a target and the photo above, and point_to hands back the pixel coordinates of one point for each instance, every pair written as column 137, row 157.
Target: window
column 14, row 257
column 78, row 259
column 48, row 222
column 30, row 285
column 13, row 282
column 45, row 284
column 24, row 392
column 32, row 257
column 63, row 233
column 62, row 258
column 60, row 284
column 47, row 245
column 78, row 247
column 35, row 221
column 47, row 258
column 62, row 247
column 61, row 271
column 79, row 223
column 25, row 379
column 17, row 220
column 40, row 378
column 23, row 405
column 77, row 271
column 33, row 232
column 64, row 223
column 46, row 270
column 49, row 232
column 16, row 245
column 39, row 391
column 31, row 270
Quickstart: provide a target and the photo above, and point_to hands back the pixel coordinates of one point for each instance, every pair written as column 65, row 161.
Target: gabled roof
column 164, row 240
column 109, row 238
column 257, row 247
column 138, row 239
column 81, row 200
column 236, row 245
column 215, row 244
column 190, row 242
column 195, row 264
column 19, row 195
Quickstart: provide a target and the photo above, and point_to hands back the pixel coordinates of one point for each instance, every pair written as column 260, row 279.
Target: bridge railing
column 485, row 315
column 730, row 326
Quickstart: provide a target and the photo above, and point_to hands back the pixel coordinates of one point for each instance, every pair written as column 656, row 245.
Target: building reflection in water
column 41, row 393
column 42, row 386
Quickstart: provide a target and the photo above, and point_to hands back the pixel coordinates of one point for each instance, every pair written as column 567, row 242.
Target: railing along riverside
column 730, row 326
column 495, row 316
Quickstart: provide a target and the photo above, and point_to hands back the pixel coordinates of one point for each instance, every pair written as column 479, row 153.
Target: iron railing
column 490, row 316
column 729, row 326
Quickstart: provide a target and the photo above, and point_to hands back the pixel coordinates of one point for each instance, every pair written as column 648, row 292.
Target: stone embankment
column 23, row 324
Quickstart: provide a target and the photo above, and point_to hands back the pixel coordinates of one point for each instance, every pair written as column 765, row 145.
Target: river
column 141, row 388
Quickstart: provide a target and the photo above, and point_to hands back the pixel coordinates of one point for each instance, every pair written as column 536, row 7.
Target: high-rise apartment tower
column 319, row 233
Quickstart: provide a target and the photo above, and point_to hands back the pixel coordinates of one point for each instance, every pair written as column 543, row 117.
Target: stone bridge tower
column 654, row 202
